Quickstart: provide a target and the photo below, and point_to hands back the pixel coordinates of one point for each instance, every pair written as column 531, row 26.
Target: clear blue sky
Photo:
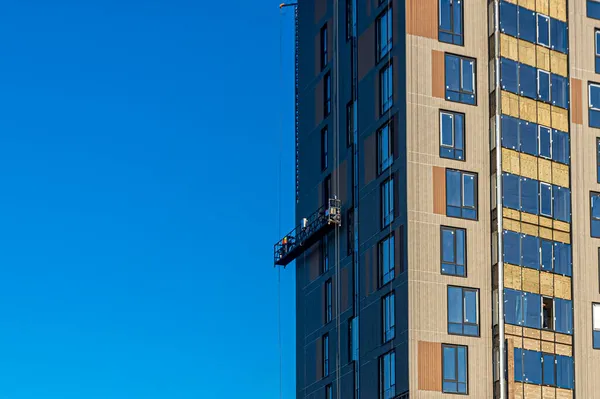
column 139, row 151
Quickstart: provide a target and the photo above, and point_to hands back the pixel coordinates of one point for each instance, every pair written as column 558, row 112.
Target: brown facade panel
column 314, row 262
column 439, row 190
column 319, row 98
column 576, row 101
column 370, row 159
column 319, row 358
column 422, row 18
column 366, row 47
column 430, row 366
column 438, row 88
column 345, row 289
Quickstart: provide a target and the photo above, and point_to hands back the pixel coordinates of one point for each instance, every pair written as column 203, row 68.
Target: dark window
column 546, row 199
column 510, row 191
column 461, row 194
column 543, row 30
column 527, row 82
column 354, row 339
column 327, row 190
column 324, row 49
column 562, row 203
column 562, row 259
column 598, row 160
column 548, row 377
column 389, row 318
column 328, row 394
column 564, row 372
column 546, row 255
column 451, row 21
column 596, row 325
column 594, row 105
column 509, row 18
column 324, row 148
column 386, row 259
column 527, row 25
column 386, row 88
column 510, row 132
column 528, row 137
column 455, row 366
column 460, row 79
column 509, row 75
column 532, row 310
column 528, row 366
column 454, row 251
column 560, row 91
column 597, row 50
column 523, row 308
column 593, row 9
column 350, row 231
column 384, row 147
column 328, row 303
column 384, row 33
column 513, row 307
column 563, row 313
column 325, row 355
column 545, row 141
column 463, row 311
column 350, row 123
column 530, row 251
column 325, row 253
column 387, row 375
column 452, row 135
column 349, row 19
column 547, row 313
column 543, row 88
column 595, row 214
column 529, row 195
column 327, row 96
column 559, row 39
column 387, row 202
column 560, row 146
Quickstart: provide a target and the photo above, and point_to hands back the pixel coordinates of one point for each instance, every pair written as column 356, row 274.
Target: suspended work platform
column 310, row 230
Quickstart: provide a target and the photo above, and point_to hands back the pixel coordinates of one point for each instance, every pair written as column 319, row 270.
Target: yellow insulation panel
column 531, row 333
column 531, row 344
column 562, row 226
column 509, row 47
column 530, row 280
column 561, row 236
column 529, row 218
column 547, row 347
column 542, row 6
column 565, row 350
column 530, row 229
column 546, row 233
column 558, row 9
column 530, row 4
column 543, row 58
column 512, row 276
column 529, row 166
column 560, row 174
column 528, row 109
column 544, row 170
column 510, row 161
column 560, row 118
column 558, row 63
column 510, row 104
column 547, row 286
column 544, row 116
column 527, row 53
column 562, row 287
column 564, row 339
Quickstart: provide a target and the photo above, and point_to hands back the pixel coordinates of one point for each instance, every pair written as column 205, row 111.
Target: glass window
column 384, row 33
column 508, row 18
column 562, row 258
column 593, row 9
column 560, row 91
column 527, row 82
column 547, row 313
column 451, row 22
column 463, row 311
column 387, row 375
column 513, row 307
column 560, row 146
column 452, row 135
column 532, row 310
column 510, row 132
column 387, row 202
column 532, row 367
column 389, row 318
column 384, row 146
column 595, row 214
column 527, row 25
column 546, row 255
column 350, row 123
column 386, row 259
column 597, row 51
column 324, row 49
column 327, row 96
column 460, row 79
column 325, row 355
column 594, row 105
column 461, row 194
column 328, row 394
column 530, row 251
column 509, row 71
column 386, row 88
column 528, row 136
column 548, row 370
column 596, row 325
column 564, row 372
column 512, row 247
column 510, row 188
column 454, row 260
column 354, row 339
column 562, row 203
column 325, row 253
column 519, row 365
column 545, row 142
column 328, row 302
column 563, row 310
column 349, row 18
column 559, row 39
column 324, row 148
column 546, row 199
column 455, row 366
column 543, row 89
column 598, row 160
column 529, row 195
column 543, row 30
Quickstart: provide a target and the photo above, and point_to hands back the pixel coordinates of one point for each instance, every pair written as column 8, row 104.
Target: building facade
column 455, row 141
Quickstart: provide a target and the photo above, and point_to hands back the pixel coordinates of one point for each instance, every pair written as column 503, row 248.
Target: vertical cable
column 279, row 344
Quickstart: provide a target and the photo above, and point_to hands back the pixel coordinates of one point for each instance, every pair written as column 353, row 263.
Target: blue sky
column 139, row 153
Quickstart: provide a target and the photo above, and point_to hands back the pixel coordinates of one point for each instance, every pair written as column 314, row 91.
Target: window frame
column 350, row 124
column 594, row 329
column 461, row 91
column 389, row 357
column 453, row 115
column 592, row 219
column 388, row 14
column 324, row 38
column 590, row 107
column 596, row 53
column 387, row 193
column 455, row 248
column 539, row 96
column 325, row 254
column 325, row 355
column 388, row 309
column 537, row 30
column 550, row 134
column 464, row 173
column 328, row 301
column 385, row 242
column 463, row 310
column 327, row 95
column 324, row 148
column 452, row 32
column 385, row 105
column 382, row 165
column 544, row 184
column 456, row 368
column 598, row 159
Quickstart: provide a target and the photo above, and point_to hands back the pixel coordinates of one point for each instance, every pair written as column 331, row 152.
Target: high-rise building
column 448, row 211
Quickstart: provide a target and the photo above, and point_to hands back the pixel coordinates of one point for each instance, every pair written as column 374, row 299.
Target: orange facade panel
column 437, row 74
column 430, row 366
column 576, row 101
column 422, row 18
column 439, row 190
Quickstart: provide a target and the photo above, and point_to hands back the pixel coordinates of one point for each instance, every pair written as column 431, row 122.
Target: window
column 353, row 340
column 548, row 377
column 460, row 79
column 532, row 310
column 560, row 91
column 325, row 355
column 389, row 322
column 350, row 231
column 560, row 146
column 328, row 394
column 562, row 259
column 461, row 194
column 598, row 160
column 387, row 375
column 328, row 303
column 455, row 368
column 463, row 311
column 558, row 30
column 595, row 214
column 384, row 147
column 561, row 203
column 325, row 253
column 528, row 366
column 350, row 123
column 547, row 313
column 543, row 88
column 349, row 19
column 593, row 9
column 513, row 307
column 563, row 309
column 509, row 75
column 543, row 368
column 522, row 308
column 452, row 135
column 546, row 255
column 384, row 34
column 326, row 190
column 324, row 148
column 386, row 88
column 509, row 19
column 594, row 104
column 454, row 251
column 596, row 325
column 564, row 372
column 527, row 82
column 545, row 142
column 451, row 22
column 527, row 25
column 327, row 96
column 324, row 50
column 386, row 259
column 543, row 30
column 528, row 141
column 387, row 202
column 546, row 199
column 597, row 49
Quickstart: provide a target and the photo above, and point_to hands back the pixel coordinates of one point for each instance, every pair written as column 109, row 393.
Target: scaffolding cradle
column 310, row 230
